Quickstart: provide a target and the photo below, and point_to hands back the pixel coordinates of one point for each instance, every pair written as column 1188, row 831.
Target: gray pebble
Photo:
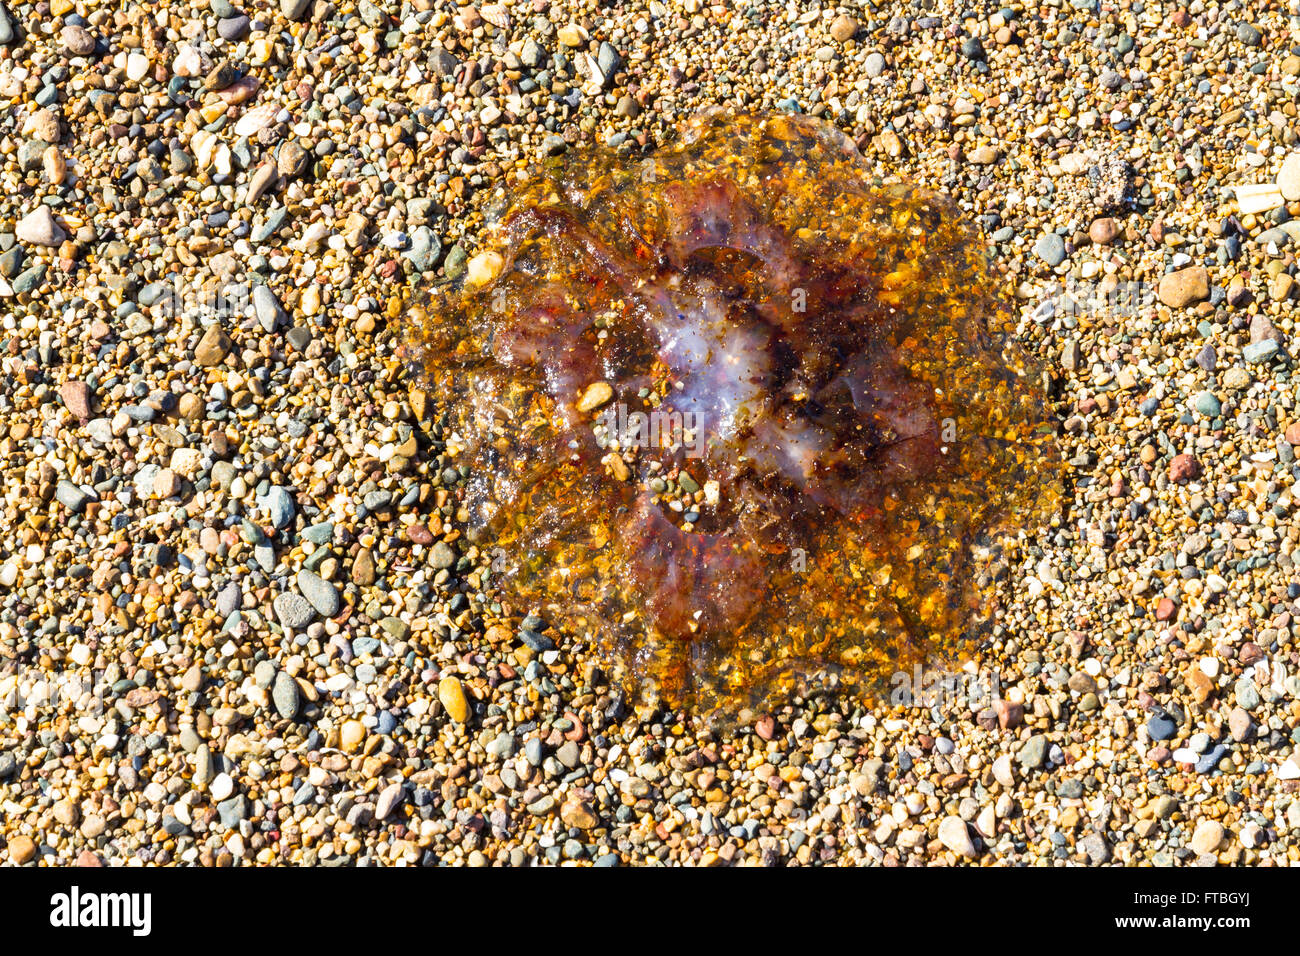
column 232, row 811
column 293, row 610
column 284, row 695
column 203, row 768
column 233, row 28
column 268, row 308
column 229, row 599
column 279, row 507
column 1050, row 248
column 441, row 555
column 70, row 496
column 1034, row 753
column 322, row 595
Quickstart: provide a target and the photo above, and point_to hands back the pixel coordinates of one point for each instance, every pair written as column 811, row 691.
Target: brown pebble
column 21, row 849
column 1249, row 653
column 1240, row 726
column 452, row 696
column 77, row 397
column 1184, row 287
column 1184, row 468
column 77, row 40
column 1199, row 683
column 1262, row 327
column 213, row 347
column 578, row 731
column 843, row 28
column 578, row 815
column 1010, row 715
column 363, row 568
column 166, row 483
column 1104, row 230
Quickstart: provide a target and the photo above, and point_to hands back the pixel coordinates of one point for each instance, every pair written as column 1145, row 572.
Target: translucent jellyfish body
column 737, row 414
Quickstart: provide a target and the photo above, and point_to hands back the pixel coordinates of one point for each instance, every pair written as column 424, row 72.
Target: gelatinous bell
column 736, row 414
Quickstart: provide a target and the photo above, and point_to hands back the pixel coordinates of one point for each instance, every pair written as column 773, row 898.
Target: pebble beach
column 241, row 625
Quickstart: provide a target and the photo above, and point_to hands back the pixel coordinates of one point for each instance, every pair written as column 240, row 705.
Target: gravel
column 309, row 684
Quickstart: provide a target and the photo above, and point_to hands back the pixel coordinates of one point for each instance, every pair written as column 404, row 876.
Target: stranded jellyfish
column 739, row 415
